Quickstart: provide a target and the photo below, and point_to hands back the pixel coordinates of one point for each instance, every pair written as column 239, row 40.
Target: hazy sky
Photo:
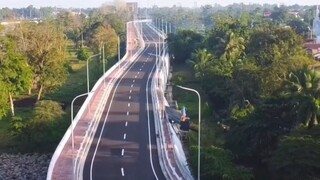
column 142, row 3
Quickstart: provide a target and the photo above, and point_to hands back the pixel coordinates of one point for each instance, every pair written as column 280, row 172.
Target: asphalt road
column 124, row 146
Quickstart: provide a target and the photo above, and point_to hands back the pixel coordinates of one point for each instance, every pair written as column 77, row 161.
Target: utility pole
column 162, row 25
column 166, row 27
column 119, row 51
column 104, row 65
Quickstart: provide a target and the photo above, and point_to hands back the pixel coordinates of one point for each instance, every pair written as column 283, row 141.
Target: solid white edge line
column 104, row 123
column 148, row 116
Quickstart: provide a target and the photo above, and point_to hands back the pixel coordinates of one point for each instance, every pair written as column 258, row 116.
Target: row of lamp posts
column 85, row 94
column 88, row 91
column 160, row 25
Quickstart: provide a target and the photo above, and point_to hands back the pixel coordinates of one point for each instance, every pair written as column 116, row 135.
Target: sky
column 142, row 3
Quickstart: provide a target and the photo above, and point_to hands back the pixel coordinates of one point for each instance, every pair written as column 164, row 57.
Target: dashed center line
column 128, row 113
column 124, row 136
column 128, row 104
column 129, row 97
column 126, row 123
column 122, row 172
column 131, row 85
column 133, row 80
column 130, row 90
column 135, row 76
column 140, row 69
column 122, row 152
column 138, row 72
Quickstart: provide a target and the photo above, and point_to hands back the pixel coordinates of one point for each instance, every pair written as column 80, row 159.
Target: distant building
column 294, row 14
column 133, row 9
column 313, row 49
column 8, row 26
column 316, row 25
column 267, row 14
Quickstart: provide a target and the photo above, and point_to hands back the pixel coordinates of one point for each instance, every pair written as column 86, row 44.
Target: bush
column 16, row 125
column 43, row 132
column 83, row 54
column 217, row 163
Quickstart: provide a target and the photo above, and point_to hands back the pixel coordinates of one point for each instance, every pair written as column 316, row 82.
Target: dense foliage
column 39, row 57
column 263, row 93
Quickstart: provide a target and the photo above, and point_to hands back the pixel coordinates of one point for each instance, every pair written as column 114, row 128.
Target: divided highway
column 124, row 145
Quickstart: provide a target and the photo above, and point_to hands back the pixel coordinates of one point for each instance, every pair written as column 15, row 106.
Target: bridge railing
column 82, row 151
column 159, row 84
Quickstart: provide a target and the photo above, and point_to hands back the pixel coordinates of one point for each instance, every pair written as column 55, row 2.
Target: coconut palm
column 304, row 85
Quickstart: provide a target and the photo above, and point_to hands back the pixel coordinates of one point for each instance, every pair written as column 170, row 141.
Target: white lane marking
column 124, row 136
column 128, row 113
column 128, row 104
column 135, row 76
column 138, row 72
column 104, row 123
column 133, row 80
column 122, row 152
column 148, row 117
column 140, row 69
column 126, row 123
column 131, row 85
column 130, row 90
column 129, row 97
column 122, row 172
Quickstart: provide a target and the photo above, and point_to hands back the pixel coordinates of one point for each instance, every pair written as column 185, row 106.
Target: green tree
column 183, row 44
column 44, row 47
column 16, row 74
column 280, row 14
column 83, row 54
column 299, row 26
column 105, row 36
column 72, row 25
column 4, row 105
column 217, row 163
column 258, row 136
column 297, row 157
column 304, row 85
column 44, row 130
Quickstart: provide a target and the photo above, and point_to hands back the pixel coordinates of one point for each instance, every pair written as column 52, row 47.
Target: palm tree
column 201, row 61
column 304, row 85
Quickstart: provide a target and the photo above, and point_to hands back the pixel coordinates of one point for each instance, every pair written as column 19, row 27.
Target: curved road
column 124, row 146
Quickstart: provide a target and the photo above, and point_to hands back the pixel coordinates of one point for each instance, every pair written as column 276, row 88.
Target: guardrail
column 163, row 69
column 94, row 124
column 89, row 132
column 158, row 86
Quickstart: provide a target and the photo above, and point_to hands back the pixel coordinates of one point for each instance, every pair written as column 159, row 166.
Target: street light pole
column 72, row 135
column 119, row 51
column 199, row 121
column 104, row 66
column 88, row 88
